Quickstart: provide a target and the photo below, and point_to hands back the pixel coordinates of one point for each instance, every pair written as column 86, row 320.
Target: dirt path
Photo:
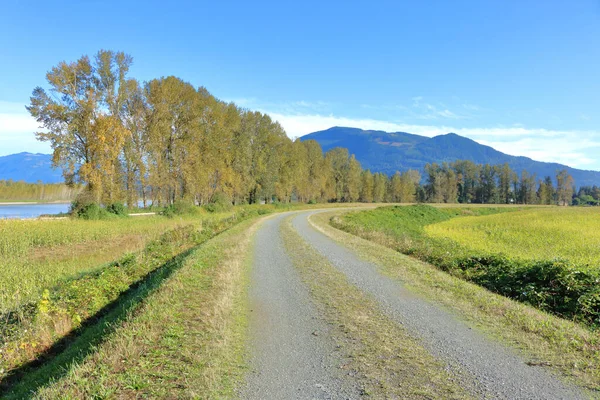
column 292, row 355
column 494, row 370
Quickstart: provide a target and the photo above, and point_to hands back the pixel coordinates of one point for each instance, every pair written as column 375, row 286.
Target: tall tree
column 82, row 118
column 366, row 191
column 564, row 188
column 546, row 191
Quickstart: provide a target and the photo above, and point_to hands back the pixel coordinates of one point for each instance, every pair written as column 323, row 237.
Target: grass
column 569, row 233
column 564, row 287
column 37, row 254
column 186, row 340
column 388, row 361
column 410, row 221
column 568, row 348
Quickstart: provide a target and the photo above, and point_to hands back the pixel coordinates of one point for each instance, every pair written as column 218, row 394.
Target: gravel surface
column 292, row 355
column 495, row 371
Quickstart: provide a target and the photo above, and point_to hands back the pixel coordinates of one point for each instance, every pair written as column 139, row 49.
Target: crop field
column 540, row 234
column 36, row 254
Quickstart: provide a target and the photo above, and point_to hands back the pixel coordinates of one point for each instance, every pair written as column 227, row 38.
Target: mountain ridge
column 29, row 167
column 389, row 152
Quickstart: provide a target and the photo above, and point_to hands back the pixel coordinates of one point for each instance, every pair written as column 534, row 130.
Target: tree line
column 165, row 140
column 463, row 181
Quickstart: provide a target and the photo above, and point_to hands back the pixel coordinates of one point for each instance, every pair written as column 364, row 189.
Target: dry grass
column 567, row 348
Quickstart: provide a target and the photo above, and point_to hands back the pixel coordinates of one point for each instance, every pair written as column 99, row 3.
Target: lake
column 31, row 210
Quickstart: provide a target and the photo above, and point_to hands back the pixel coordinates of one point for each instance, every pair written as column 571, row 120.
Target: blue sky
column 522, row 76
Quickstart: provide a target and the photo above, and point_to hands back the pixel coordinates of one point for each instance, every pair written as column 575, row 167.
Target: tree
column 353, row 186
column 82, row 116
column 546, row 191
column 487, row 188
column 435, row 182
column 504, row 174
column 380, row 183
column 564, row 188
column 527, row 188
column 366, row 191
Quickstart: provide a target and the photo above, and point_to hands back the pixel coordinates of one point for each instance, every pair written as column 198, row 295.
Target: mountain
column 399, row 151
column 29, row 167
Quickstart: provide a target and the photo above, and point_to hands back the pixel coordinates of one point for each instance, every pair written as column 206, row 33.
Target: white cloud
column 573, row 148
column 17, row 129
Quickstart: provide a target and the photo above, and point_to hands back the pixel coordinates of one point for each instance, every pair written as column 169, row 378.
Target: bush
column 180, row 207
column 117, row 209
column 219, row 203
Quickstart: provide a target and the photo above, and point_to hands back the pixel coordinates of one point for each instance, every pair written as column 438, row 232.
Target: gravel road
column 494, row 370
column 292, row 356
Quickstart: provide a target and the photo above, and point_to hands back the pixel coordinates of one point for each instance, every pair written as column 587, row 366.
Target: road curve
column 292, row 356
column 495, row 370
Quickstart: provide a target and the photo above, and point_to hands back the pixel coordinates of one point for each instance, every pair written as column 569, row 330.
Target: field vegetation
column 11, row 191
column 569, row 234
column 568, row 287
column 60, row 279
column 36, row 254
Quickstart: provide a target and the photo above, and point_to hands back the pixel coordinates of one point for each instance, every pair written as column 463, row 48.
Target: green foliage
column 93, row 211
column 180, row 207
column 220, row 203
column 565, row 287
column 117, row 209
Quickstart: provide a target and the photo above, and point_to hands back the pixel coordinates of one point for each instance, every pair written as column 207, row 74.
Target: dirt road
column 293, row 357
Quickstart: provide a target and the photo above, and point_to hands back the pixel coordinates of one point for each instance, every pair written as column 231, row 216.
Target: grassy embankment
column 64, row 304
column 181, row 333
column 386, row 360
column 567, row 347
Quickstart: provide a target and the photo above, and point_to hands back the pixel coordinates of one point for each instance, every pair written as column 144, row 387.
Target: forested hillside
column 399, row 151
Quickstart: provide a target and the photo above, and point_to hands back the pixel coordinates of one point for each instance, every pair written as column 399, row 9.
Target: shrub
column 117, row 209
column 180, row 207
column 219, row 203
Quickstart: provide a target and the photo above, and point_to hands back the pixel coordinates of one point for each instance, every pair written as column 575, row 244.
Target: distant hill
column 399, row 151
column 29, row 167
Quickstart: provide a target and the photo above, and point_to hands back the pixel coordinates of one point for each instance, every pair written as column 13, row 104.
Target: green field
column 546, row 257
column 540, row 234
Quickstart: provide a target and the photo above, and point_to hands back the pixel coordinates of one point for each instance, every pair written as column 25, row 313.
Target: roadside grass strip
column 567, row 348
column 185, row 340
column 385, row 359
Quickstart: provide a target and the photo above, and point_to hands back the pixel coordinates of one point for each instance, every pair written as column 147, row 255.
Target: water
column 31, row 210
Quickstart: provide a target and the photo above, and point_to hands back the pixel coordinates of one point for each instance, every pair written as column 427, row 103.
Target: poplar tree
column 564, row 188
